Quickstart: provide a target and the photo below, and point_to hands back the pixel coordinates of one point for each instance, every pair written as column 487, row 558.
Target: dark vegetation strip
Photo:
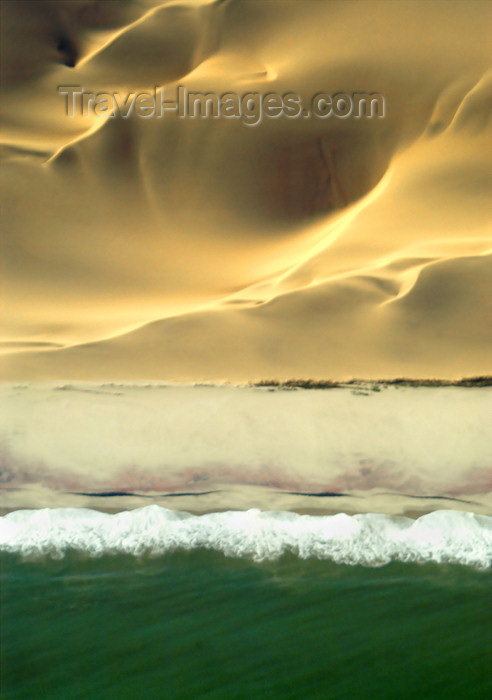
column 482, row 381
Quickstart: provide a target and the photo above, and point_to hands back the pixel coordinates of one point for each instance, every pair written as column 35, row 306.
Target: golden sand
column 187, row 249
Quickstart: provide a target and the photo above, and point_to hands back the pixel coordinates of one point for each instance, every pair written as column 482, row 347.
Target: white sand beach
column 205, row 448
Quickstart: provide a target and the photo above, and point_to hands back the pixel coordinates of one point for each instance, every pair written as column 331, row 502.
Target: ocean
column 103, row 606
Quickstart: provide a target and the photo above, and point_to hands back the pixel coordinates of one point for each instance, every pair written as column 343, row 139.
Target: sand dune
column 202, row 248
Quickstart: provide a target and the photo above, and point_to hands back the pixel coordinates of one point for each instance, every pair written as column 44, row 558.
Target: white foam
column 367, row 539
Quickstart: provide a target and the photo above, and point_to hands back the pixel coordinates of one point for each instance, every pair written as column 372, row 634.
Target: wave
column 367, row 539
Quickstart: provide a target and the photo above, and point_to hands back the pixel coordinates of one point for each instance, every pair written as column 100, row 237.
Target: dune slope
column 209, row 248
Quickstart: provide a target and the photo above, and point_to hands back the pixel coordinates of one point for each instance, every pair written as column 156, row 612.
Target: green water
column 198, row 625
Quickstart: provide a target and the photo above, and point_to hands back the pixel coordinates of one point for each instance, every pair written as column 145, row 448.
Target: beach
column 360, row 448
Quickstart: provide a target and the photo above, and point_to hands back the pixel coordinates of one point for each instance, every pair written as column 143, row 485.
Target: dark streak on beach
column 321, row 494
column 440, row 498
column 113, row 494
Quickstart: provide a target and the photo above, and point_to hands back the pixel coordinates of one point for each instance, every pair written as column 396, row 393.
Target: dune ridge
column 206, row 249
